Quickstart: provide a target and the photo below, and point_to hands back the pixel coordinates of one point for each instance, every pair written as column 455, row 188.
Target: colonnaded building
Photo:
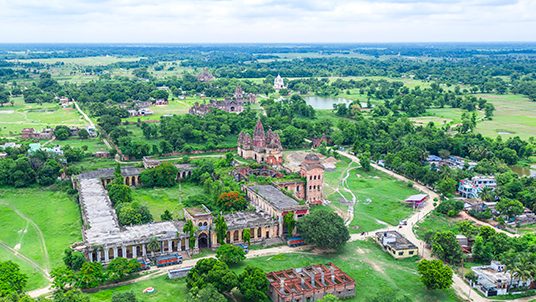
column 105, row 239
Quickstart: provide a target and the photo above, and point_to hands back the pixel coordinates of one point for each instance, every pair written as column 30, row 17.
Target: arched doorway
column 202, row 241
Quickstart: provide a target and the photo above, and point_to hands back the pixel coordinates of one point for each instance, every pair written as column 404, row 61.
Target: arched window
column 259, row 233
column 235, row 235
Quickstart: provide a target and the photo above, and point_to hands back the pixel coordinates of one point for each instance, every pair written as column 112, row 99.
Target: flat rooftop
column 109, row 173
column 241, row 220
column 395, row 240
column 101, row 226
column 275, row 197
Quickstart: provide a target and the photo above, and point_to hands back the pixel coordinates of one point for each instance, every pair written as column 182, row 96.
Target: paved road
column 462, row 289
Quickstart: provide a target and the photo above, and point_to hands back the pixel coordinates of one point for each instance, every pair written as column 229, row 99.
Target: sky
column 266, row 21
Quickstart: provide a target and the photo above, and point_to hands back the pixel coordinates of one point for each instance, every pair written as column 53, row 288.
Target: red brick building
column 313, row 171
column 310, row 283
column 265, row 147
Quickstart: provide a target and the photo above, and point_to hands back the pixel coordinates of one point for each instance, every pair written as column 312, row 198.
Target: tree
column 62, row 132
column 12, row 280
column 230, row 254
column 166, row 216
column 133, row 214
column 91, row 275
column 163, row 175
column 253, row 284
column 48, row 173
column 510, row 208
column 232, row 201
column 289, row 223
column 446, row 247
column 246, row 236
column 119, row 192
column 481, row 251
column 364, row 161
column 435, row 274
column 72, row 295
column 211, row 271
column 208, row 293
column 121, row 267
column 323, row 229
column 73, row 260
column 154, row 245
column 63, row 278
column 83, row 134
column 446, row 186
column 190, row 229
column 221, row 229
column 124, row 297
column 450, row 207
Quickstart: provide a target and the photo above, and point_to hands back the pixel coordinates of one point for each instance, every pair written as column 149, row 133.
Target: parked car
column 144, row 264
column 244, row 246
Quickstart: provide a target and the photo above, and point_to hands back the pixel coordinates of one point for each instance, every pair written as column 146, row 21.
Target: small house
column 396, row 245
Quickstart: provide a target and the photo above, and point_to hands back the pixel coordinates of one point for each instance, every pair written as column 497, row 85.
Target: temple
column 279, row 83
column 205, row 76
column 264, row 147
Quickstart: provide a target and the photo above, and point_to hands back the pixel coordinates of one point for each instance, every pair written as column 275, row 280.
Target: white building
column 278, row 83
column 471, row 188
column 494, row 279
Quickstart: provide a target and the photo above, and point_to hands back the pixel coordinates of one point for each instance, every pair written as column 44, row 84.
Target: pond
column 319, row 102
column 524, row 171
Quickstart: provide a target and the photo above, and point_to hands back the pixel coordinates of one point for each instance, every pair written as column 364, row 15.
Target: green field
column 160, row 199
column 93, row 144
column 166, row 290
column 14, row 118
column 374, row 271
column 379, row 197
column 515, row 115
column 175, row 106
column 40, row 225
column 84, row 61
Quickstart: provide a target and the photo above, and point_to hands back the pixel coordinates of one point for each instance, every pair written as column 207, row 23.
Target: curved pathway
column 462, row 289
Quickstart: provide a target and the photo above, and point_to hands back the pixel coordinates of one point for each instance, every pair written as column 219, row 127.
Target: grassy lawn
column 93, row 144
column 515, row 115
column 14, row 118
column 166, row 290
column 93, row 163
column 31, row 224
column 379, row 197
column 174, row 107
column 160, row 199
column 374, row 271
column 434, row 222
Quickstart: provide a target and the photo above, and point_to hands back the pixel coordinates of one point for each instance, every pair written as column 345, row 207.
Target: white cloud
column 266, row 20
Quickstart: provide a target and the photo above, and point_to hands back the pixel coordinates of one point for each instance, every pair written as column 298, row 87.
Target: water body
column 524, row 171
column 319, row 102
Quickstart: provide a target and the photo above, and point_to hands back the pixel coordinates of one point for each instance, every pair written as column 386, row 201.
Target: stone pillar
column 106, row 255
column 143, row 250
column 124, row 251
column 196, row 243
column 179, row 244
column 170, row 246
column 98, row 256
column 187, row 242
column 134, row 251
column 90, row 254
column 115, row 252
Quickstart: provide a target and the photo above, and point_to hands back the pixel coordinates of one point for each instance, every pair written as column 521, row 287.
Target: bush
column 450, row 208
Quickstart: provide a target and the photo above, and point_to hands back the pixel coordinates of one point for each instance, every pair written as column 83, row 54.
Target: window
column 400, row 253
column 411, row 252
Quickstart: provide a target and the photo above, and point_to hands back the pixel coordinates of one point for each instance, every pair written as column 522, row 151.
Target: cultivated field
column 37, row 226
column 14, row 118
column 84, row 61
column 515, row 115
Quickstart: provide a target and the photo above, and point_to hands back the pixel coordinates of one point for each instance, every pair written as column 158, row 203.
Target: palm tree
column 153, row 245
column 487, row 194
